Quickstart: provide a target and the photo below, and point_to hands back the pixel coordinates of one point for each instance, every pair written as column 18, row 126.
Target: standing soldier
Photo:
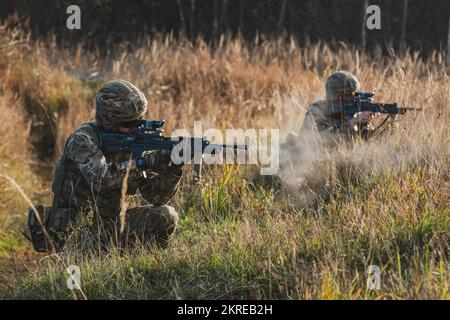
column 86, row 181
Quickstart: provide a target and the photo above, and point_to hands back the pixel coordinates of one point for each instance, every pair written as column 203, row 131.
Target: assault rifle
column 148, row 136
column 363, row 101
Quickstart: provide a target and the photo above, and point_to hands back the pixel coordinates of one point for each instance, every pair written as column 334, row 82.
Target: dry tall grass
column 241, row 235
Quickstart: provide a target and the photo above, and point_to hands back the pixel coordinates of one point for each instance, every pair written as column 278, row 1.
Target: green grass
column 237, row 242
column 241, row 235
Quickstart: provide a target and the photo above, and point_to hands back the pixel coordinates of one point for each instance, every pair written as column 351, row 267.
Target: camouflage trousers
column 142, row 225
column 150, row 223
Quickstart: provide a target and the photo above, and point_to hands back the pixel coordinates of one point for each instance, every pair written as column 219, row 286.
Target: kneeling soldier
column 86, row 181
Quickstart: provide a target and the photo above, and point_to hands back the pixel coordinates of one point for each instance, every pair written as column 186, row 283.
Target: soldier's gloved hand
column 156, row 160
column 160, row 161
column 361, row 119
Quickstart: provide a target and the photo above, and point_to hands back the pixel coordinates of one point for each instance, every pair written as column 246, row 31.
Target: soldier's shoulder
column 319, row 106
column 83, row 140
column 88, row 129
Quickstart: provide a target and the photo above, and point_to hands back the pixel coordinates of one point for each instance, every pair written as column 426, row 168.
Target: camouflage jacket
column 85, row 178
column 319, row 119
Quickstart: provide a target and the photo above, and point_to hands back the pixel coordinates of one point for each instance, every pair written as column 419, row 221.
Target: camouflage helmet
column 341, row 83
column 119, row 101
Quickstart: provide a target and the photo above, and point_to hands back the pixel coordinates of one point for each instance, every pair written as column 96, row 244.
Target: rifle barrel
column 229, row 146
column 235, row 146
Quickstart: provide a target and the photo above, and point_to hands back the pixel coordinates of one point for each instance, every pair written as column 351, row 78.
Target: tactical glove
column 159, row 161
column 361, row 119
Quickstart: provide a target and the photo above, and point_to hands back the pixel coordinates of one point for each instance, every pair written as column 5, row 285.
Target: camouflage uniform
column 318, row 117
column 86, row 180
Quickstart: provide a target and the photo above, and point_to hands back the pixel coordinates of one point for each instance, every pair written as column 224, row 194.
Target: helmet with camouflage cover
column 341, row 83
column 119, row 101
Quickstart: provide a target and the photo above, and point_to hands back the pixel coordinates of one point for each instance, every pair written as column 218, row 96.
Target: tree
column 402, row 37
column 363, row 26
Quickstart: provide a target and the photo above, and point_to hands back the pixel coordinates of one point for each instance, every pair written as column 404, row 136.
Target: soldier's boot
column 45, row 228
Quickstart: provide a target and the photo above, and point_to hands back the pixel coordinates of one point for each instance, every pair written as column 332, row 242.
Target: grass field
column 310, row 232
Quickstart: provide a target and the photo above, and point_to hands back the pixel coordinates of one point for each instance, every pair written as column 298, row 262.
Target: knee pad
column 167, row 214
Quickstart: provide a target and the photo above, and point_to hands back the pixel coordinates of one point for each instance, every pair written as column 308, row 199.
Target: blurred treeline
column 421, row 25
